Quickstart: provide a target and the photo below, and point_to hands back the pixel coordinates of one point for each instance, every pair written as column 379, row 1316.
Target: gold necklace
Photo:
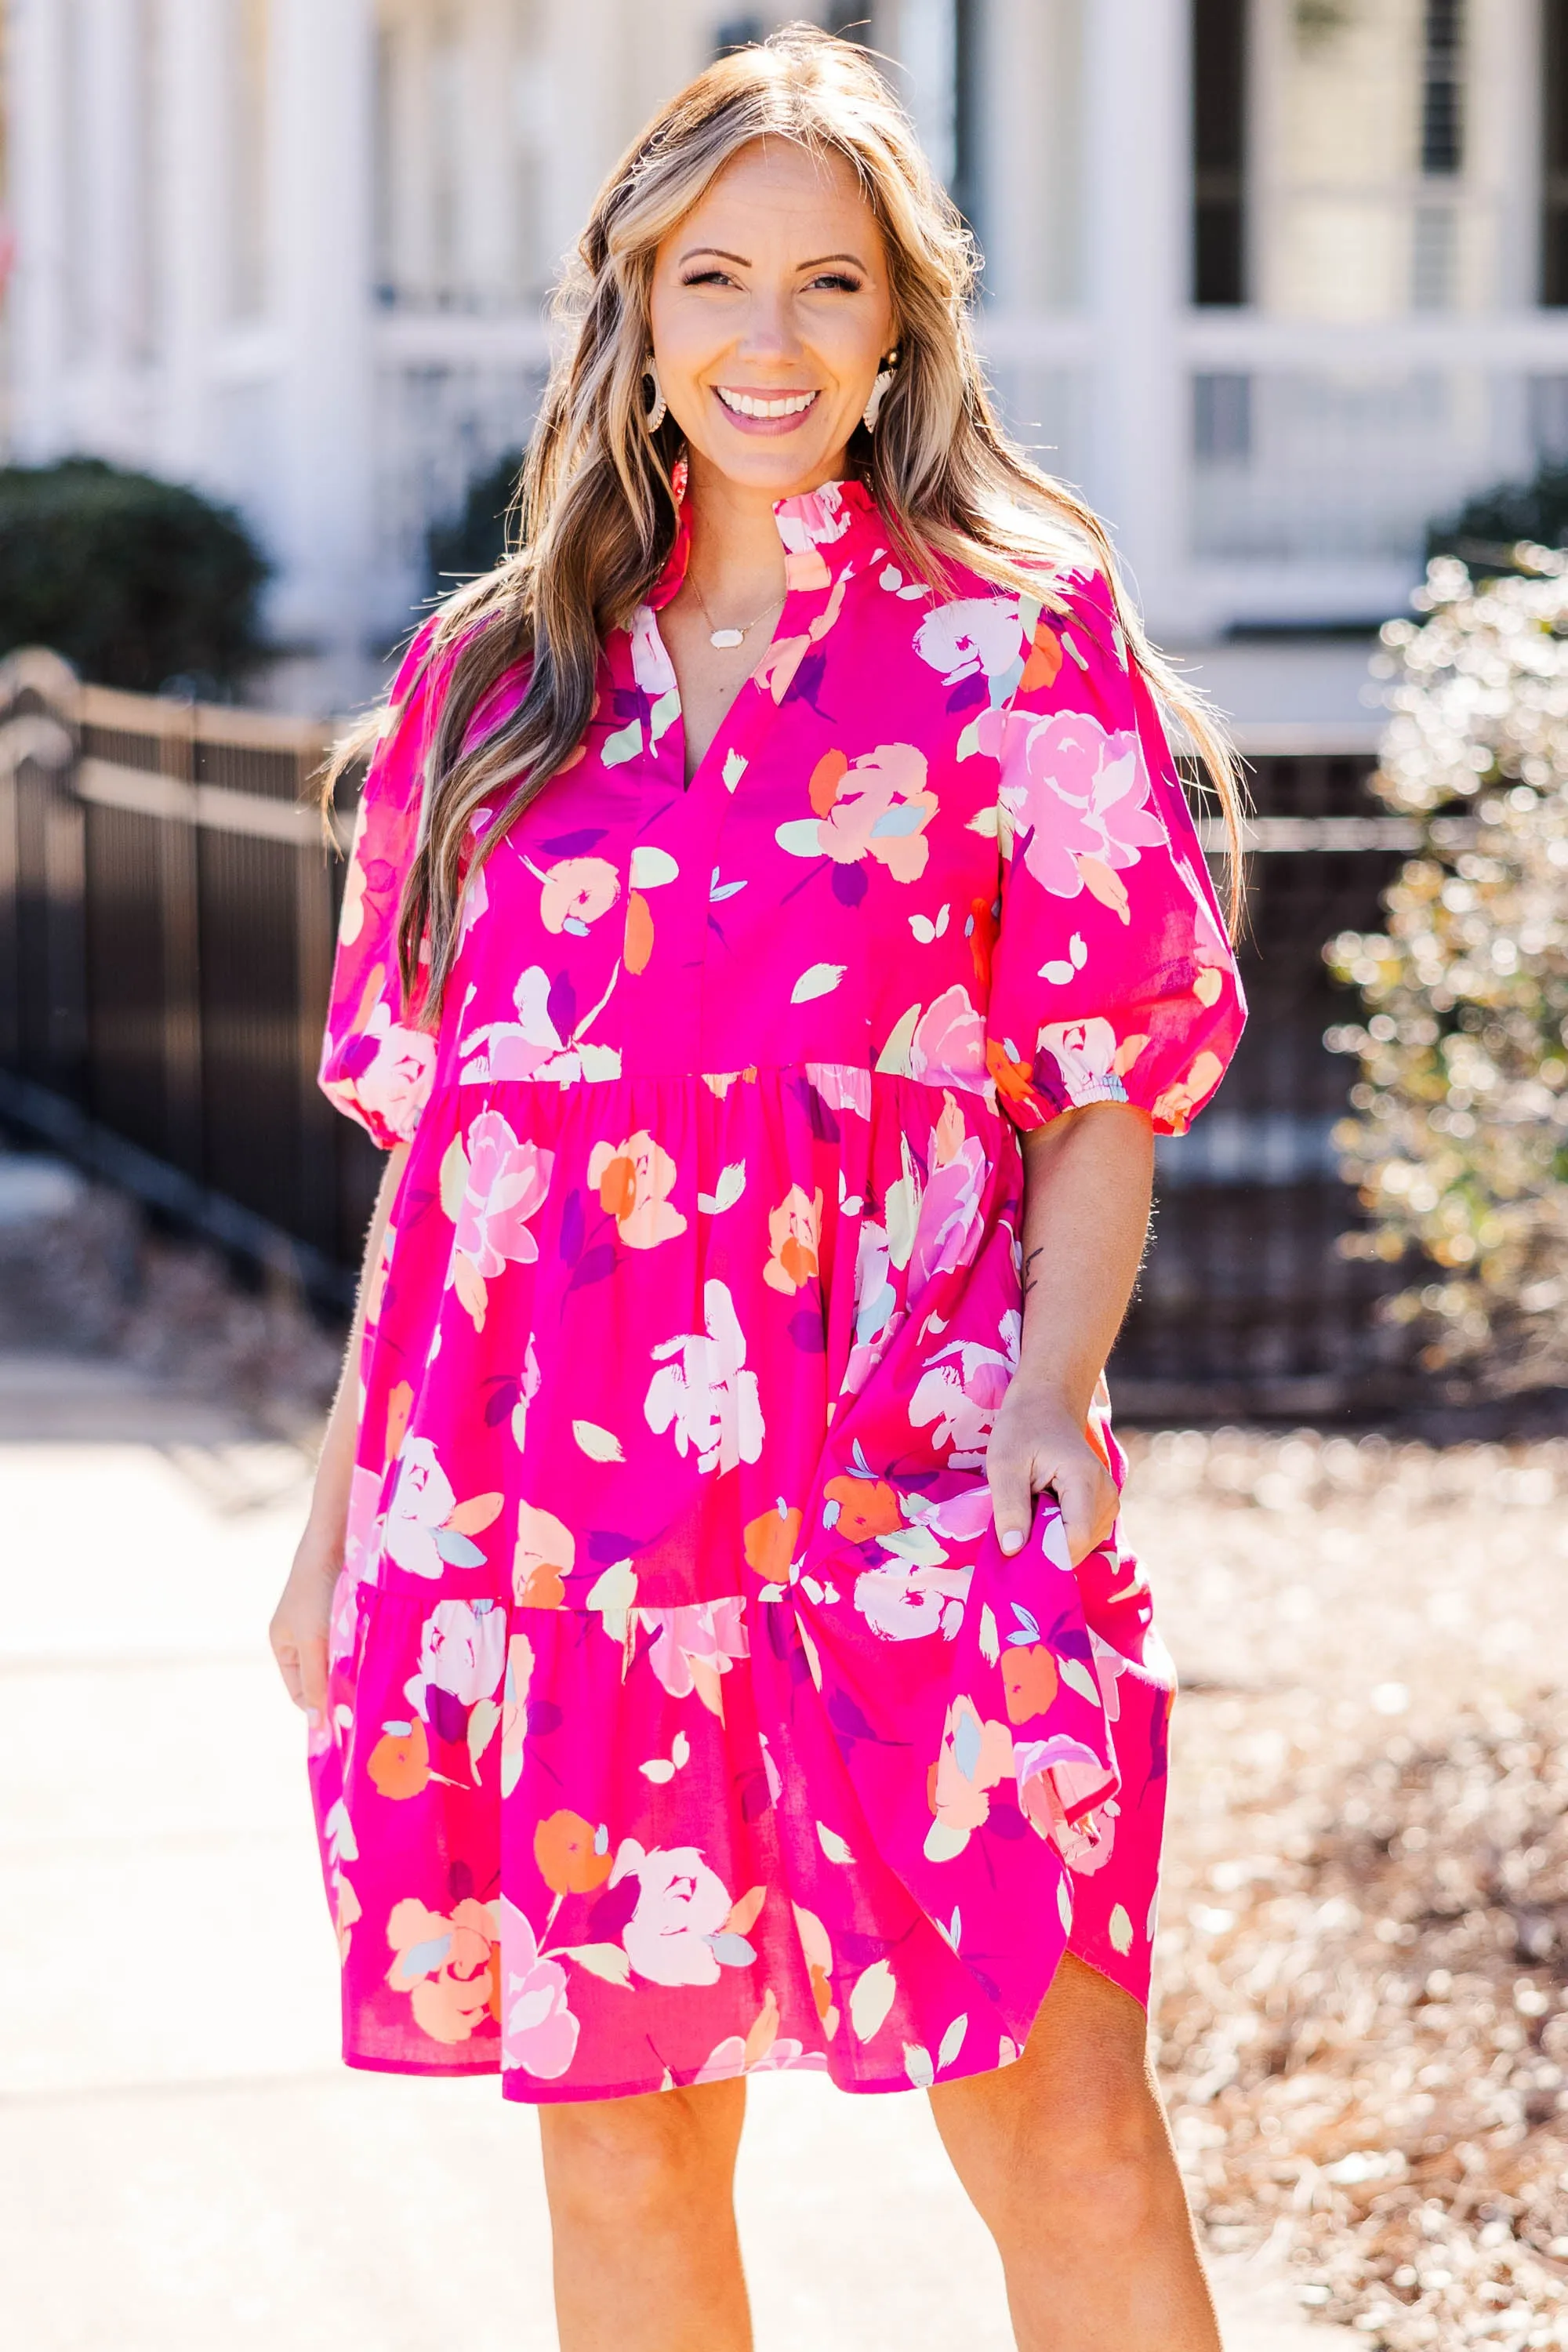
column 724, row 640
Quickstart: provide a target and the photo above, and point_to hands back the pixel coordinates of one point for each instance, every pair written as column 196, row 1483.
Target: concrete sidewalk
column 184, row 2164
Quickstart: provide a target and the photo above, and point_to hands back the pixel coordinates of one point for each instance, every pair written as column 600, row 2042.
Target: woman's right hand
column 299, row 1629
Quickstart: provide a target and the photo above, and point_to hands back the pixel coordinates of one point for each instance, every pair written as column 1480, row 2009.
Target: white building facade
column 1275, row 281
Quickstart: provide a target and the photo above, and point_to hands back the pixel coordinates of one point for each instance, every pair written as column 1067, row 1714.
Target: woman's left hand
column 1037, row 1441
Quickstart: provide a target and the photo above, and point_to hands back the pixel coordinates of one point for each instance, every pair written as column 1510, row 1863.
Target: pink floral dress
column 685, row 1717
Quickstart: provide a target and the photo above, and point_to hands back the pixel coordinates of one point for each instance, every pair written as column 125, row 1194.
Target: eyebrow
column 720, row 253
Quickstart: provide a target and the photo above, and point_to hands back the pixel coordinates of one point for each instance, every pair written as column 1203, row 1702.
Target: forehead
column 785, row 195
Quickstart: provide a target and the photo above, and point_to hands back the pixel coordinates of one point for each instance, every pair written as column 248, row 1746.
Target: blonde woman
column 774, row 936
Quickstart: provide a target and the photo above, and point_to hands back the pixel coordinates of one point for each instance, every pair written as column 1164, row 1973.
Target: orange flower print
column 866, row 1507
column 546, row 1551
column 569, row 1862
column 575, row 891
column 794, row 1234
column 769, row 1541
column 818, row 1953
column 983, row 930
column 447, row 1964
column 1178, row 1104
column 399, row 1763
column 973, row 1756
column 1013, row 1078
column 1030, row 1680
column 634, row 1180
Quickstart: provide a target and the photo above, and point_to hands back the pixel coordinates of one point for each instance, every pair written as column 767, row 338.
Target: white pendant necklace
column 722, row 640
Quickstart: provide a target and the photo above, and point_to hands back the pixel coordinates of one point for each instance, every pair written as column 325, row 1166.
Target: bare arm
column 1088, row 1178
column 299, row 1628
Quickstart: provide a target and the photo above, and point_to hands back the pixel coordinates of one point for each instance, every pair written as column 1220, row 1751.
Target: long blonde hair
column 595, row 517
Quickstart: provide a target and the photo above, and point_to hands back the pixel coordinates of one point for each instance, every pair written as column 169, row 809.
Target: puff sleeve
column 377, row 1063
column 1112, row 976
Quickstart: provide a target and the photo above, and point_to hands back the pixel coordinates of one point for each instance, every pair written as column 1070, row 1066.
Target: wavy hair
column 595, row 517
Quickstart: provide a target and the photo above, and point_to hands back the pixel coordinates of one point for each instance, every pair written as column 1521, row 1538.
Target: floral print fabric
column 685, row 1717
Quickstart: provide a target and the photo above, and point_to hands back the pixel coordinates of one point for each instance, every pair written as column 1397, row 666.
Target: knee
column 647, row 2163
column 1093, row 2166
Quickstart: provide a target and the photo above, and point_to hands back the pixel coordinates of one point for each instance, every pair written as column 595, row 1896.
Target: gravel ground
column 1364, row 1965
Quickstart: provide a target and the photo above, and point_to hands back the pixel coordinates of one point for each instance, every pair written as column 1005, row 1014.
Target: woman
column 774, row 935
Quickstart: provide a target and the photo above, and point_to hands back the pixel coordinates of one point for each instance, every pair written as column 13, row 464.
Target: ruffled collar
column 824, row 532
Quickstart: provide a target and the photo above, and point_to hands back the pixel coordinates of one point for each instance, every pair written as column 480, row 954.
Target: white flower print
column 707, row 1398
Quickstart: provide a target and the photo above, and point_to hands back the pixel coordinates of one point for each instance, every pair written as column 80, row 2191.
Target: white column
column 1136, row 213
column 110, row 415
column 192, row 198
column 36, row 70
column 321, row 252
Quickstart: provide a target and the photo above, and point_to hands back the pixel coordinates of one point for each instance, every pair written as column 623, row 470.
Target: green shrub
column 474, row 540
column 137, row 582
column 1486, row 530
column 1460, row 1147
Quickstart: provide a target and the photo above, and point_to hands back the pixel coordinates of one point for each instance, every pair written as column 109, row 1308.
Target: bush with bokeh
column 474, row 540
column 139, row 582
column 1460, row 1142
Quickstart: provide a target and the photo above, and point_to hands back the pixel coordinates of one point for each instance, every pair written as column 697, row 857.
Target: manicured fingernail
column 1011, row 1540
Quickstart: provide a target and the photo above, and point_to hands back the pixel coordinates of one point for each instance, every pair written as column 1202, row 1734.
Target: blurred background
column 1283, row 286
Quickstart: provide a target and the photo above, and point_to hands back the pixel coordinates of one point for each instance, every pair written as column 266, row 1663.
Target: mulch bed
column 1363, row 2011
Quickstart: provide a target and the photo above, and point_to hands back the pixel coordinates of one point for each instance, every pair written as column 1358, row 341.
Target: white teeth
column 743, row 405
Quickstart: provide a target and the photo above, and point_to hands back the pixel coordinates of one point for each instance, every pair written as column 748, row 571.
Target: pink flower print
column 949, row 1225
column 707, row 1398
column 362, row 1535
column 1081, row 797
column 841, row 1088
column 386, row 1072
column 974, row 1758
column 962, row 1390
column 575, row 892
column 806, row 525
column 694, row 1644
column 794, row 1236
column 447, row 1965
column 902, row 1602
column 681, row 1904
column 881, row 808
column 973, row 635
column 537, row 2031
column 514, row 1710
column 878, row 1315
column 1085, row 1054
column 462, row 1651
column 634, row 1180
column 503, row 1184
column 944, row 1045
column 1058, row 1776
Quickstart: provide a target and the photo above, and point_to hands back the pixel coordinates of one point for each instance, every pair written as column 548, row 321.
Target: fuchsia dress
column 685, row 1718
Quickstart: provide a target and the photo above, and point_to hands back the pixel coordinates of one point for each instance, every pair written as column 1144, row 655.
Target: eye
column 840, row 280
column 712, row 277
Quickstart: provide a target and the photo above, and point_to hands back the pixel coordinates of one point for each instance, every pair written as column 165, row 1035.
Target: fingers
column 1088, row 1499
column 302, row 1662
column 1012, row 1496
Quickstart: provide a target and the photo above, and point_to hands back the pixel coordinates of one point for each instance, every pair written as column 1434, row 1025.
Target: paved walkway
column 184, row 2164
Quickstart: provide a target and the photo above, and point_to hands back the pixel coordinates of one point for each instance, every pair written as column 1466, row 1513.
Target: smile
column 752, row 404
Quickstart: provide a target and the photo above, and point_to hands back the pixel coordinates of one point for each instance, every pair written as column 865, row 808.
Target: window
column 1219, row 151
column 1442, row 89
column 1554, row 154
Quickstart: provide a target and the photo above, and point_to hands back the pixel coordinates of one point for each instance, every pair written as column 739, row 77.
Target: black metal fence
column 166, row 915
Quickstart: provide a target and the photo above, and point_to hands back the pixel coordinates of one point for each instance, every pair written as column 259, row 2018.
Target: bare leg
column 1067, row 2157
column 641, row 2211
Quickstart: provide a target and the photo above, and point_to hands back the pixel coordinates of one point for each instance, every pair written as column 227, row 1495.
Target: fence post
column 179, row 923
column 313, row 967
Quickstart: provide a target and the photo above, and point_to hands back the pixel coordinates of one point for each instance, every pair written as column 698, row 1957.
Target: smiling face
column 770, row 313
